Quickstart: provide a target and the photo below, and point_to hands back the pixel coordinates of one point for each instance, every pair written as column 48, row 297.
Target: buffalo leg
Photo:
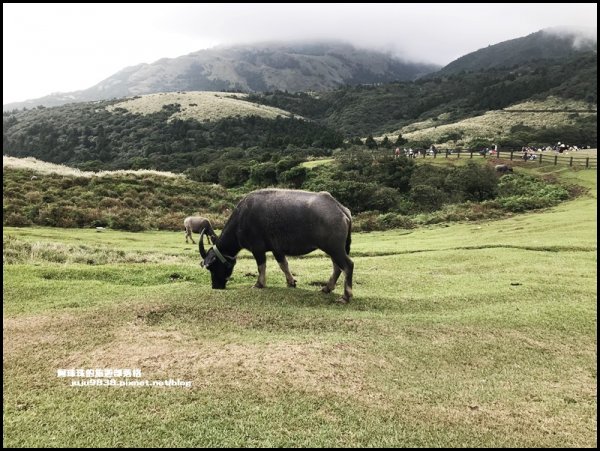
column 332, row 280
column 346, row 265
column 283, row 264
column 188, row 233
column 261, row 261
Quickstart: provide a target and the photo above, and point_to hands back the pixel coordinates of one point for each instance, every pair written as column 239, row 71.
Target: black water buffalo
column 196, row 224
column 284, row 222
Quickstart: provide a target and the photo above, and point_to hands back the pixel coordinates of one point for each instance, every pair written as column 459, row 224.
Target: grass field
column 474, row 334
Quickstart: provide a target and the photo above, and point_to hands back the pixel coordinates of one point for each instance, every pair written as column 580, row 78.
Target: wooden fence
column 540, row 158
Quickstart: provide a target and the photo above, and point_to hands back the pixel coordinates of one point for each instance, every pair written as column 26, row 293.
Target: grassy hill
column 168, row 132
column 40, row 193
column 552, row 115
column 477, row 334
column 200, row 105
column 381, row 192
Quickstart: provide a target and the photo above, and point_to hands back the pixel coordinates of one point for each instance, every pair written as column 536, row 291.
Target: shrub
column 294, row 177
column 472, row 182
column 427, row 198
column 16, row 220
column 171, row 221
column 127, row 221
column 394, row 221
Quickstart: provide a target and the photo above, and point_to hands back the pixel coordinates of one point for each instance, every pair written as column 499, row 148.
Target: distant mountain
column 380, row 109
column 544, row 44
column 290, row 67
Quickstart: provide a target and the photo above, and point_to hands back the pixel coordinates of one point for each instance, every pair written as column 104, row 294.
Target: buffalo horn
column 201, row 245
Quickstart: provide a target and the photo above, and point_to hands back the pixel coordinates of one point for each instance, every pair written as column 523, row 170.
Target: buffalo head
column 219, row 265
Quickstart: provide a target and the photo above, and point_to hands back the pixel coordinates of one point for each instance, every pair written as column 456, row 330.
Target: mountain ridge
column 294, row 67
column 552, row 43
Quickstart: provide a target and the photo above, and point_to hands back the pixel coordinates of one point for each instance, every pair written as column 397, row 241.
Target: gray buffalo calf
column 284, row 222
column 503, row 168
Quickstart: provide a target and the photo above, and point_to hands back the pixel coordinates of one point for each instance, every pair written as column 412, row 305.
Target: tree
column 233, row 175
column 102, row 144
column 400, row 141
column 294, row 178
column 263, row 174
column 370, row 142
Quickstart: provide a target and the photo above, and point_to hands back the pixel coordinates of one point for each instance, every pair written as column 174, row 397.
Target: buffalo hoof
column 326, row 289
column 258, row 285
column 292, row 285
column 342, row 300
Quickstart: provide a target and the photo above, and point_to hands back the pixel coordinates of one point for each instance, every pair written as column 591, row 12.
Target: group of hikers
column 410, row 153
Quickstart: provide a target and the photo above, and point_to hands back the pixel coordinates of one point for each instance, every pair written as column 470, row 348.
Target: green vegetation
column 206, row 133
column 385, row 193
column 382, row 192
column 89, row 136
column 542, row 45
column 121, row 201
column 473, row 322
column 477, row 334
column 445, row 99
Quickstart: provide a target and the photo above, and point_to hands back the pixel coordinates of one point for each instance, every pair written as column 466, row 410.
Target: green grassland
column 469, row 334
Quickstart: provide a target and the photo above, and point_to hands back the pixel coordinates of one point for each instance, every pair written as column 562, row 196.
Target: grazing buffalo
column 284, row 222
column 195, row 224
column 503, row 168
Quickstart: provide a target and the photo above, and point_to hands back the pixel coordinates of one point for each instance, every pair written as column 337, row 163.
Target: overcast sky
column 59, row 47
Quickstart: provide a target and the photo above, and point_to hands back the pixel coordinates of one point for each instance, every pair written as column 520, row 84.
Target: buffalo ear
column 208, row 262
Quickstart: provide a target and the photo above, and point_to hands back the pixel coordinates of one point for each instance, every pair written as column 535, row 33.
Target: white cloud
column 63, row 47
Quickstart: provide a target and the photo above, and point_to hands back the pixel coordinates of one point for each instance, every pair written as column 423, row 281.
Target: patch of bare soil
column 309, row 366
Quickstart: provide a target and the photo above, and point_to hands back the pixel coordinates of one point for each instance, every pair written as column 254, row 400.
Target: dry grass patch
column 18, row 251
column 310, row 366
column 43, row 167
column 202, row 106
column 127, row 340
column 498, row 123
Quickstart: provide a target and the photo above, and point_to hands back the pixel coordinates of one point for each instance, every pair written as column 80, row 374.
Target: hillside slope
column 553, row 116
column 250, row 68
column 545, row 44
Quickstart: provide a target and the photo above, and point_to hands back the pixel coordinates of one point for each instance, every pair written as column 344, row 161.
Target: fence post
column 541, row 156
column 555, row 159
column 458, row 154
column 587, row 162
column 471, row 154
column 511, row 154
column 571, row 161
column 446, row 153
